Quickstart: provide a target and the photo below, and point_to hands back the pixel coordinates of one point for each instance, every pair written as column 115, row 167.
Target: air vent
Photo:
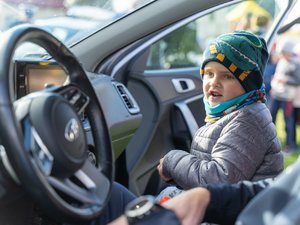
column 121, row 89
column 127, row 98
column 127, row 101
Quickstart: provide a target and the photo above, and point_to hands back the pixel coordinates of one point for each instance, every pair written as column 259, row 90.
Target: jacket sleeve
column 228, row 200
column 236, row 155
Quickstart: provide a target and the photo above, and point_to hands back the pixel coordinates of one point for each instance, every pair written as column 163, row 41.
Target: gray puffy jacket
column 242, row 145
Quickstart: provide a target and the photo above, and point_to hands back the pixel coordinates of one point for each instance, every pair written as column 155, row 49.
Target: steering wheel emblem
column 72, row 130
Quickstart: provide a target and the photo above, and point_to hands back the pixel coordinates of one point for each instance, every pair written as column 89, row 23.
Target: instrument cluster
column 36, row 75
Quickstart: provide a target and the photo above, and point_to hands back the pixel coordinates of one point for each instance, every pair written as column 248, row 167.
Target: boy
column 239, row 140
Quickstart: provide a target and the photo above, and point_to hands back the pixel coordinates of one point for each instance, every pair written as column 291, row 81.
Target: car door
column 161, row 71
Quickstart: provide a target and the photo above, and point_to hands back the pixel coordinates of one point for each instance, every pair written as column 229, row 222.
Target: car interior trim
column 42, row 154
column 187, row 114
column 183, row 85
column 8, row 165
column 85, row 179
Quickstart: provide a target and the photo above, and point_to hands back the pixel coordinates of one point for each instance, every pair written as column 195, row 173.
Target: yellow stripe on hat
column 201, row 71
column 213, row 49
column 244, row 74
column 220, row 57
column 232, row 68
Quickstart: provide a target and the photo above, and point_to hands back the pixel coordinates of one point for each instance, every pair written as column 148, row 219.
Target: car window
column 184, row 47
column 70, row 20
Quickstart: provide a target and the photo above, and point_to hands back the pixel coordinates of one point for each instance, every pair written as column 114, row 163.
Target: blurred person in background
column 296, row 101
column 269, row 73
column 259, row 24
column 283, row 90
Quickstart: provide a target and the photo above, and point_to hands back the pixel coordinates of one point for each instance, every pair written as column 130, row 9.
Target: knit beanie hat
column 244, row 54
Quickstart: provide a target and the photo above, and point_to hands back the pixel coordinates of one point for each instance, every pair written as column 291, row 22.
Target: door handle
column 183, row 85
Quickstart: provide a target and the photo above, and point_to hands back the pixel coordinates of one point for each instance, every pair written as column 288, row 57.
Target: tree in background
column 169, row 53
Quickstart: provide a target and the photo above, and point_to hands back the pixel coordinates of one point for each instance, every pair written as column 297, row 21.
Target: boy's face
column 219, row 84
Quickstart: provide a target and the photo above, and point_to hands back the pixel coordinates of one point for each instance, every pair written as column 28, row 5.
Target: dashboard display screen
column 39, row 78
column 34, row 76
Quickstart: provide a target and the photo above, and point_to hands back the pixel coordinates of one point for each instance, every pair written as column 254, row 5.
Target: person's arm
column 189, row 208
column 119, row 221
column 228, row 200
column 219, row 203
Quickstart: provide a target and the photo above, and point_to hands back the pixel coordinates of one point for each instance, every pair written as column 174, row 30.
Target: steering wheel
column 43, row 142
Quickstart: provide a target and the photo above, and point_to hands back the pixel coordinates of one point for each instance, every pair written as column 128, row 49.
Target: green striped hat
column 244, row 54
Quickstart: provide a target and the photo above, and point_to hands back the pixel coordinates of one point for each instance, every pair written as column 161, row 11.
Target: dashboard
column 35, row 75
column 120, row 109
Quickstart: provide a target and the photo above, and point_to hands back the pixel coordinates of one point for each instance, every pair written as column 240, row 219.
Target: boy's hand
column 160, row 171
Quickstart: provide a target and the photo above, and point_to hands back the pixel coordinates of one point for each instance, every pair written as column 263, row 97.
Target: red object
column 163, row 199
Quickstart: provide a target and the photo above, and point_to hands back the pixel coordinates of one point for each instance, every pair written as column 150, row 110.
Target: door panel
column 169, row 124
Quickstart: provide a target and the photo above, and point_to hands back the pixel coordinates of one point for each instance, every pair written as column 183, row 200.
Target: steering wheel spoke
column 85, row 187
column 41, row 154
column 92, row 177
column 74, row 193
column 34, row 144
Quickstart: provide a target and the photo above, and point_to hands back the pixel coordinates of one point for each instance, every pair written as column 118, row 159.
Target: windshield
column 68, row 20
